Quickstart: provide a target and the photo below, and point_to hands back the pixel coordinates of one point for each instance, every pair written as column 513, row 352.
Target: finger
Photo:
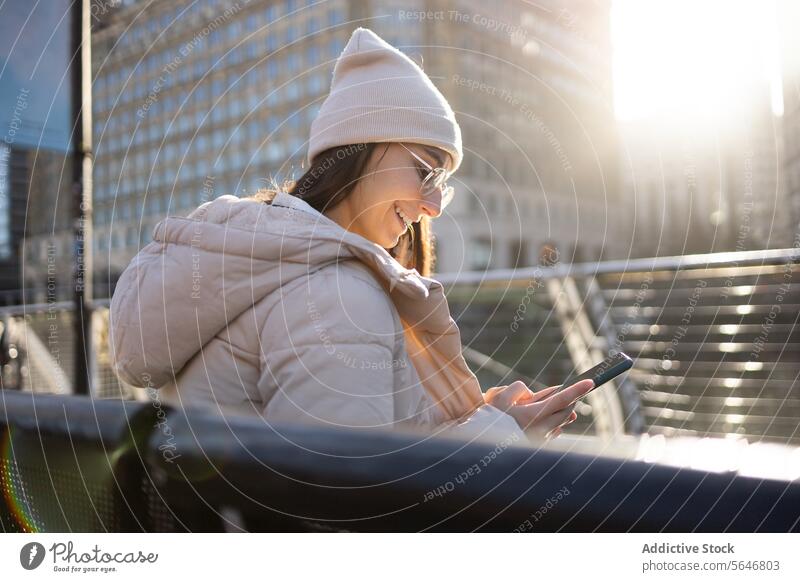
column 568, row 395
column 557, row 420
column 508, row 396
column 518, row 391
column 492, row 392
column 538, row 396
column 557, row 431
column 572, row 417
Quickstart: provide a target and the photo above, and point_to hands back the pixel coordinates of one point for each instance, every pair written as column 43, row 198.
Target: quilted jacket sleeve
column 486, row 423
column 327, row 350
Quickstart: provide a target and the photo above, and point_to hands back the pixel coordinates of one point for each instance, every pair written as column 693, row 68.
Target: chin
column 392, row 240
column 391, row 243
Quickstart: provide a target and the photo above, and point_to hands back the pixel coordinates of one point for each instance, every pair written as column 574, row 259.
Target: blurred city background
column 615, row 152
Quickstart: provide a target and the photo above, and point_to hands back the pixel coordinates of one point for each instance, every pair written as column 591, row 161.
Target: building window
column 334, row 16
column 518, row 254
column 480, row 254
column 293, row 63
column 312, row 55
column 252, row 50
column 272, row 42
column 311, row 26
column 311, row 112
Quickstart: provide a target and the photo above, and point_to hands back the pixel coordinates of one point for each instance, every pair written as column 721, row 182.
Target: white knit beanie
column 378, row 94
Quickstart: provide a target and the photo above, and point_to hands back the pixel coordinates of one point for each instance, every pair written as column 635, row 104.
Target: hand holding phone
column 609, row 368
column 543, row 413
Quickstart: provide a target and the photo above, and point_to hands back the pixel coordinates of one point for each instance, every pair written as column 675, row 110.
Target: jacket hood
column 201, row 272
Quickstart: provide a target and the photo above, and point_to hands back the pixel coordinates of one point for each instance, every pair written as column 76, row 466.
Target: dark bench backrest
column 75, row 464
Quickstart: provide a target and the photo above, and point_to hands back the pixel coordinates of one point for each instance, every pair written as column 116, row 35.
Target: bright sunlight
column 685, row 60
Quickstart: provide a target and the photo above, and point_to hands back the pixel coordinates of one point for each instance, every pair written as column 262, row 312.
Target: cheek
column 377, row 216
column 408, row 186
column 398, row 185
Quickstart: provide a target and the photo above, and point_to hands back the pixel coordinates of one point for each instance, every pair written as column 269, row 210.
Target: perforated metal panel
column 57, row 491
column 160, row 517
column 18, row 511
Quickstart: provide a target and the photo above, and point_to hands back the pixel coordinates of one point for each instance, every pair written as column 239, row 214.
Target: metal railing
column 39, row 344
column 714, row 338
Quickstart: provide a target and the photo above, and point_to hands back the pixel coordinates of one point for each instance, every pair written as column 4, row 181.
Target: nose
column 432, row 205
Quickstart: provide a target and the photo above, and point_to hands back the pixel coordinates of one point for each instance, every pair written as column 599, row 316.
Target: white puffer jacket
column 275, row 310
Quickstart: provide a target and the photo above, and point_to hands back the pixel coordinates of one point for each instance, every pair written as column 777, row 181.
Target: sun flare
column 691, row 60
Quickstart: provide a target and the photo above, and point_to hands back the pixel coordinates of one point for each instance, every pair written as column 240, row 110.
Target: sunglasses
column 435, row 179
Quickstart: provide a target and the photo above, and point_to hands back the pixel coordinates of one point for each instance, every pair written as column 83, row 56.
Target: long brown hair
column 332, row 177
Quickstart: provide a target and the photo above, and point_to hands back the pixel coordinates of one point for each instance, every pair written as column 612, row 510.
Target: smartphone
column 603, row 372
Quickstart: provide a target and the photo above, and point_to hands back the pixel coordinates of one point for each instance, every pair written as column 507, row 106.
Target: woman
column 313, row 303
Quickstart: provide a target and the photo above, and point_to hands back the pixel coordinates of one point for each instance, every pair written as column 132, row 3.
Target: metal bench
column 71, row 463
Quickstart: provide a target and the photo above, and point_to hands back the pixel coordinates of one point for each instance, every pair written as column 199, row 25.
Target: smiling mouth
column 400, row 219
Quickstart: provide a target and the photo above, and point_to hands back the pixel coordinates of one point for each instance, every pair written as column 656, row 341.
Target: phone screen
column 603, row 372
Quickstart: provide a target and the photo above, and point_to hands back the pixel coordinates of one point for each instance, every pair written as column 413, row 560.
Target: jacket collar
column 432, row 336
column 283, row 198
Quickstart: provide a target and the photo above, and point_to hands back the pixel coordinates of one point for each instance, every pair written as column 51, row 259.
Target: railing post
column 627, row 391
column 582, row 343
column 82, row 191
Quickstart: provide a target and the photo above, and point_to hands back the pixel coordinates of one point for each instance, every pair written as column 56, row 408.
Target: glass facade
column 199, row 122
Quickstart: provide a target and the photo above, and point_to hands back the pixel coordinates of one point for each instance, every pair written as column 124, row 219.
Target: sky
column 693, row 59
column 34, row 49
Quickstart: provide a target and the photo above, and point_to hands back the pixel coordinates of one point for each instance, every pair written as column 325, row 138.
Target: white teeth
column 402, row 215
